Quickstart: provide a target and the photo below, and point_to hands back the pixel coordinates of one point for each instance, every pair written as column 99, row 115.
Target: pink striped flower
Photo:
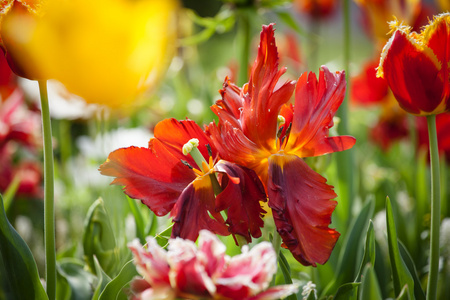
column 205, row 272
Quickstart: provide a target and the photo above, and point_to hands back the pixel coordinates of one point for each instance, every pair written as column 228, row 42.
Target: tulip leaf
column 370, row 289
column 163, row 237
column 418, row 291
column 286, row 270
column 113, row 289
column 404, row 294
column 369, row 250
column 400, row 273
column 287, row 18
column 347, row 263
column 138, row 219
column 22, row 277
column 347, row 291
column 99, row 240
column 103, row 280
column 76, row 280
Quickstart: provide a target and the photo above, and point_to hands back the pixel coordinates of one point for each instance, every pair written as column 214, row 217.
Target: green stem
column 345, row 163
column 276, row 242
column 49, row 206
column 244, row 45
column 435, row 209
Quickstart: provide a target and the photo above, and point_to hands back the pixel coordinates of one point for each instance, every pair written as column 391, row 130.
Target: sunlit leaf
column 113, row 289
column 22, row 274
column 400, row 273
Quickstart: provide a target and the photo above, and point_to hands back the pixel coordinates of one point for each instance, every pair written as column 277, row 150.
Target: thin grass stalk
column 49, row 205
column 435, row 209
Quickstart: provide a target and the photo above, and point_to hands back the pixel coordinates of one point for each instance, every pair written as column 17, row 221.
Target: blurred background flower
column 107, row 52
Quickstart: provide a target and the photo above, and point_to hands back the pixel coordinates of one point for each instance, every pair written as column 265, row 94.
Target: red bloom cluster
column 18, row 125
column 250, row 154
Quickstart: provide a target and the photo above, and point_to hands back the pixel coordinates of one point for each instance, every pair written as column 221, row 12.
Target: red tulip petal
column 154, row 176
column 301, row 206
column 174, row 134
column 414, row 75
column 192, row 211
column 316, row 102
column 263, row 98
column 229, row 108
column 367, row 88
column 437, row 38
column 242, row 200
column 234, row 146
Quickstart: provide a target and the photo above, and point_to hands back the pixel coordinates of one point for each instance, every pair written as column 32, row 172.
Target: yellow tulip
column 106, row 51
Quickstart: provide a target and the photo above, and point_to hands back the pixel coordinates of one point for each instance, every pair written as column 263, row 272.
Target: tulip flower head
column 250, row 134
column 416, row 66
column 180, row 173
column 205, row 272
column 106, row 51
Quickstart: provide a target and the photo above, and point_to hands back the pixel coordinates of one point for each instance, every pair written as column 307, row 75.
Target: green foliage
column 352, row 244
column 370, row 288
column 400, row 273
column 99, row 240
column 21, row 280
column 74, row 282
column 113, row 290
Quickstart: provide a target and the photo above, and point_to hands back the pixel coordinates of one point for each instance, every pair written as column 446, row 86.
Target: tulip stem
column 49, row 207
column 276, row 242
column 435, row 209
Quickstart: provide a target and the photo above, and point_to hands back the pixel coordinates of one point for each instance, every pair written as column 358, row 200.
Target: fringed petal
column 316, row 102
column 301, row 205
column 193, row 209
column 154, row 176
column 241, row 199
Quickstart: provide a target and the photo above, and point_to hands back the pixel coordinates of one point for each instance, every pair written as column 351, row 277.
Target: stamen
column 186, row 164
column 209, row 149
column 191, row 148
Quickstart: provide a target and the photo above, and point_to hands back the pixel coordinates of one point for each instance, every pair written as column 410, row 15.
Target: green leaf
column 76, row 280
column 400, row 272
column 99, row 240
column 287, row 18
column 418, row 291
column 114, row 287
column 370, row 289
column 103, row 280
column 163, row 237
column 404, row 294
column 22, row 274
column 369, row 250
column 348, row 291
column 353, row 241
column 286, row 270
column 138, row 219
